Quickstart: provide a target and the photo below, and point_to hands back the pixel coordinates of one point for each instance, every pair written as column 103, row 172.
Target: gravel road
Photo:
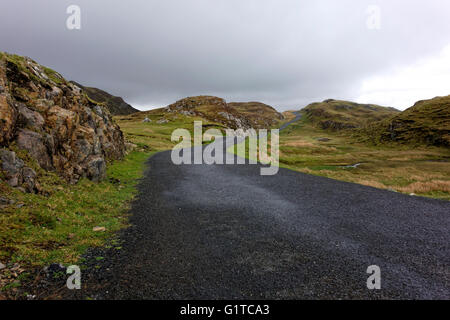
column 226, row 232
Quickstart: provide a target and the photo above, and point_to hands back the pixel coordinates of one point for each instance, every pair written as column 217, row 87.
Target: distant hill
column 234, row 115
column 428, row 122
column 261, row 115
column 338, row 114
column 115, row 105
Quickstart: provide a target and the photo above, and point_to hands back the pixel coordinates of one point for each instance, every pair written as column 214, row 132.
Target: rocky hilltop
column 260, row 114
column 48, row 123
column 427, row 122
column 231, row 115
column 338, row 115
column 116, row 105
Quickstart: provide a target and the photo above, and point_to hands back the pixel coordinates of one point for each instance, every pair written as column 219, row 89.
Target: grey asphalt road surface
column 298, row 116
column 226, row 232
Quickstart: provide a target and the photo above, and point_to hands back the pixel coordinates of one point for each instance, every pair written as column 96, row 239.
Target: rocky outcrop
column 52, row 122
column 211, row 108
column 16, row 173
column 259, row 114
column 233, row 115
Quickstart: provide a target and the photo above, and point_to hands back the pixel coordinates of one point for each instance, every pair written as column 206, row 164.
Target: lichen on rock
column 55, row 123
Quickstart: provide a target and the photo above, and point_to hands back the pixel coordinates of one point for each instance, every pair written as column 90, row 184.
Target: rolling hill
column 261, row 115
column 427, row 122
column 211, row 108
column 115, row 105
column 234, row 115
column 338, row 115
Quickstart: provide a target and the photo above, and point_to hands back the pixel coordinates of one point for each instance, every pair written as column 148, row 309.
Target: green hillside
column 427, row 122
column 337, row 114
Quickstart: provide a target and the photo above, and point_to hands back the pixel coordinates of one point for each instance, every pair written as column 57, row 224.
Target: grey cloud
column 284, row 53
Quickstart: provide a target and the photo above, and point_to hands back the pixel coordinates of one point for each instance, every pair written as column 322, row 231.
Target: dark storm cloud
column 285, row 53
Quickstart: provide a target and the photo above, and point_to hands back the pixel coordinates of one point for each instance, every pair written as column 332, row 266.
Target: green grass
column 58, row 228
column 404, row 168
column 155, row 136
column 92, row 101
column 338, row 115
column 53, row 75
column 14, row 58
column 427, row 122
column 422, row 170
column 319, row 168
column 409, row 169
column 20, row 62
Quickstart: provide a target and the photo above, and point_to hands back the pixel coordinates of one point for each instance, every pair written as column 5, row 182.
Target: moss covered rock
column 53, row 123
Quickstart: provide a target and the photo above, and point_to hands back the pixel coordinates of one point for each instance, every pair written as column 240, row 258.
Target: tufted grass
column 422, row 170
column 58, row 228
column 157, row 136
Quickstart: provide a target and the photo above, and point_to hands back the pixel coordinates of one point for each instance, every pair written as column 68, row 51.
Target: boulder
column 130, row 146
column 11, row 164
column 16, row 173
column 29, row 180
column 162, row 121
column 96, row 168
column 34, row 143
column 29, row 118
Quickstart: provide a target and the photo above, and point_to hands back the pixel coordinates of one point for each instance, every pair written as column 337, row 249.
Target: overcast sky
column 286, row 53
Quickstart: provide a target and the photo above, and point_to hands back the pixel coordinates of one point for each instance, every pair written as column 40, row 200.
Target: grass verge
column 410, row 169
column 39, row 230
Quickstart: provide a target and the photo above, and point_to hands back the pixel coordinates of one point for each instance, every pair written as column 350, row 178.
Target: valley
column 411, row 168
column 75, row 172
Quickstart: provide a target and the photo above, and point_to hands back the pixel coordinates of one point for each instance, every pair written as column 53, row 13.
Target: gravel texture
column 225, row 232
